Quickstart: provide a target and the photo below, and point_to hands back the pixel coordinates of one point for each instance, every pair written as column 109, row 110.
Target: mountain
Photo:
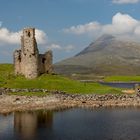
column 108, row 55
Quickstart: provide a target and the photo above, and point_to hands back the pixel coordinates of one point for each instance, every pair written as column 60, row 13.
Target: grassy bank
column 50, row 82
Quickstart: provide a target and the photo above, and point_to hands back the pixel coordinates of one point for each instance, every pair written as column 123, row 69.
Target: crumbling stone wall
column 28, row 61
column 48, row 62
column 17, row 61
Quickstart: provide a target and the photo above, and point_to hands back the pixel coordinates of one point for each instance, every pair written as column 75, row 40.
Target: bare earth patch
column 129, row 91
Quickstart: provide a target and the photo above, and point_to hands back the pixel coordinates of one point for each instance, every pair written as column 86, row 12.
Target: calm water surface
column 120, row 85
column 73, row 124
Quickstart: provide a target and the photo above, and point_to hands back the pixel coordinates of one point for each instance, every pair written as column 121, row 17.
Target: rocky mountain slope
column 108, row 55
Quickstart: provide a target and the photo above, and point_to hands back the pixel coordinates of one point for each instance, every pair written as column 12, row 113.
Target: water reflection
column 73, row 124
column 6, row 126
column 27, row 124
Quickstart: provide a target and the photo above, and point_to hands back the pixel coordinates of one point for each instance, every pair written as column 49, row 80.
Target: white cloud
column 54, row 46
column 122, row 25
column 41, row 36
column 125, row 1
column 80, row 29
column 8, row 37
column 67, row 48
column 137, row 30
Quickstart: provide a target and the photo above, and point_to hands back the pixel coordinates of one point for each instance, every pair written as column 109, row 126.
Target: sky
column 66, row 26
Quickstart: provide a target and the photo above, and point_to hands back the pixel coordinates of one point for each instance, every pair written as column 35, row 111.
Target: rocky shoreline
column 60, row 100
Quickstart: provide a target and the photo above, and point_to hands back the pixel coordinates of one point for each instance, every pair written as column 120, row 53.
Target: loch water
column 72, row 124
column 120, row 85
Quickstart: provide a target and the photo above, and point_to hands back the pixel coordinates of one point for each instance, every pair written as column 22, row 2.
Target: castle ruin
column 28, row 61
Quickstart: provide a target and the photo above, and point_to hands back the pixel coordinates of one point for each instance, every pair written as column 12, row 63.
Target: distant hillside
column 108, row 55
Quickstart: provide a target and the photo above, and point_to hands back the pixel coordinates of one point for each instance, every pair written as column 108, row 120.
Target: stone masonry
column 28, row 61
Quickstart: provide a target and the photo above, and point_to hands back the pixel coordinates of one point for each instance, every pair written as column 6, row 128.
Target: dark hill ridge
column 108, row 55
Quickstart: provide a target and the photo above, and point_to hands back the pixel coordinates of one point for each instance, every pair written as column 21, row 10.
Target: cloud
column 80, row 29
column 122, row 24
column 67, row 48
column 41, row 36
column 125, row 1
column 54, row 46
column 8, row 37
column 137, row 30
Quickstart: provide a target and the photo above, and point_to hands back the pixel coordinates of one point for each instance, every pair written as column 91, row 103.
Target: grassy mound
column 51, row 82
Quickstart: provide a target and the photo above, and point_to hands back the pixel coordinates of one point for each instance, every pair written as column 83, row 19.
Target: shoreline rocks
column 61, row 100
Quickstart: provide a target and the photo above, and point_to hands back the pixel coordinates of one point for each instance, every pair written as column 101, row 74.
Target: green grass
column 56, row 82
column 51, row 82
column 122, row 79
column 6, row 72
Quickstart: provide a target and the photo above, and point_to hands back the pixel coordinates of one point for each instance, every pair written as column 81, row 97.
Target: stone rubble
column 62, row 100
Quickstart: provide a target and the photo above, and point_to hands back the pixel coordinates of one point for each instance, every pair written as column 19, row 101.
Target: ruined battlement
column 28, row 61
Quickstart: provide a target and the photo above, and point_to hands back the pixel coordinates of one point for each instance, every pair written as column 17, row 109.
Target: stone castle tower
column 28, row 61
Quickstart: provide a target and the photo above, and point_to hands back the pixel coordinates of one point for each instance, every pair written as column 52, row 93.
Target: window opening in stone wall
column 19, row 58
column 29, row 34
column 43, row 60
